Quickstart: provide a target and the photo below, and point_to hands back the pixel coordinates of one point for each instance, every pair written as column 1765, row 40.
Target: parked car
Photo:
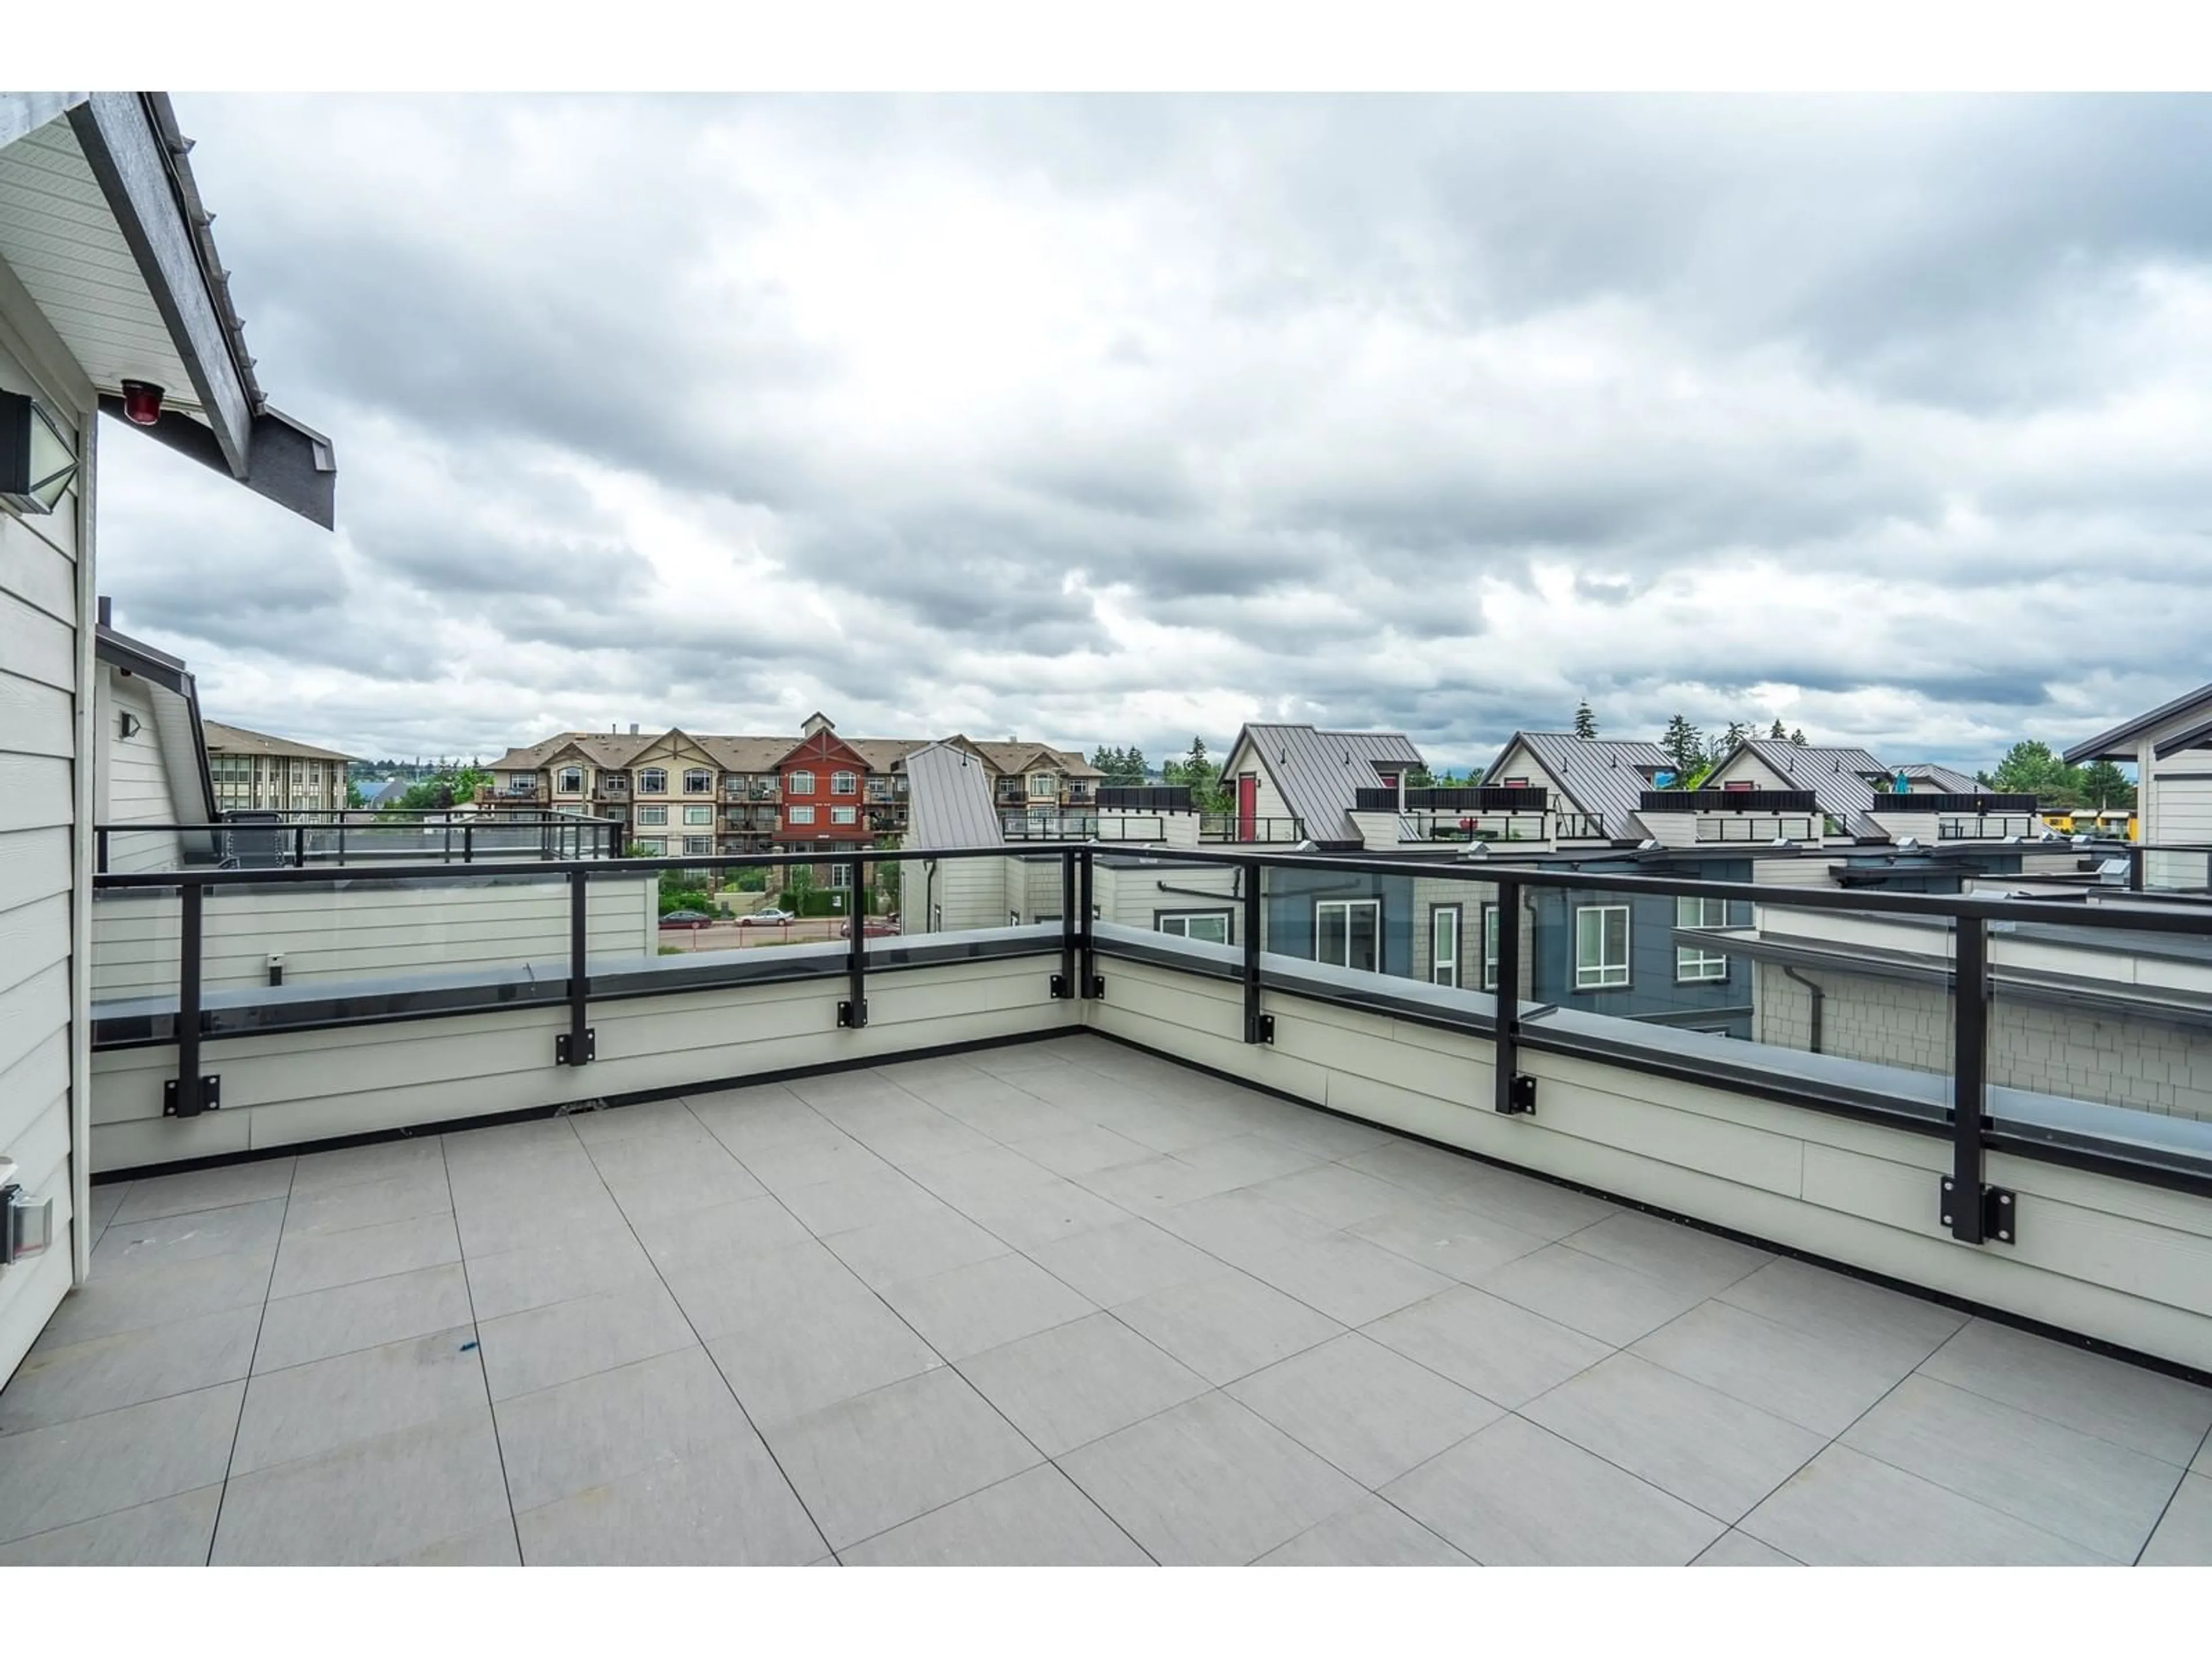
column 874, row 927
column 770, row 917
column 687, row 919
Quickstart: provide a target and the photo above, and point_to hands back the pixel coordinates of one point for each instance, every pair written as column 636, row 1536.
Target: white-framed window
column 572, row 780
column 1692, row 965
column 1210, row 926
column 1443, row 945
column 652, row 781
column 841, row 874
column 698, row 781
column 656, row 849
column 844, row 783
column 1044, row 783
column 802, row 815
column 1348, row 933
column 1601, row 946
column 799, row 783
column 654, row 815
column 698, row 846
column 844, row 815
column 697, row 814
column 1490, row 947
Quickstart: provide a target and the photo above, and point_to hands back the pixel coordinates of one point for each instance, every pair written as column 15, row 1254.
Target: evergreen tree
column 1132, row 765
column 1797, row 737
column 1585, row 721
column 1776, row 732
column 2102, row 784
column 1686, row 749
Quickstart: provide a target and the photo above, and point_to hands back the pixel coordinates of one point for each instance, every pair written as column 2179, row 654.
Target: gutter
column 1819, row 1002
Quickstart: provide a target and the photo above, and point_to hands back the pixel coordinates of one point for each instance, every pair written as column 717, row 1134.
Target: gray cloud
column 1120, row 419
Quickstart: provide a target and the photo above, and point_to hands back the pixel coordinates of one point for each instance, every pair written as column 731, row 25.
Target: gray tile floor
column 1063, row 1303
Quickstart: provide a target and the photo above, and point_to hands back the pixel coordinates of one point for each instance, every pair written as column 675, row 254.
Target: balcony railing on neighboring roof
column 1754, row 829
column 1479, row 798
column 1230, row 828
column 1578, row 826
column 1959, row 806
column 1728, row 800
column 1145, row 797
column 1083, row 826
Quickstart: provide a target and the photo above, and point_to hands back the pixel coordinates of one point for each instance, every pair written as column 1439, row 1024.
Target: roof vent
column 1475, row 849
column 2113, row 873
column 1647, row 845
column 1783, row 840
column 1908, row 844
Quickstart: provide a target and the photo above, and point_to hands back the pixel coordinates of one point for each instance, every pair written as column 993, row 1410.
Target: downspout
column 1820, row 999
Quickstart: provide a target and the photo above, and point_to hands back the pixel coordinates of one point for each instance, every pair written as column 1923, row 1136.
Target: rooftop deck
column 1060, row 1303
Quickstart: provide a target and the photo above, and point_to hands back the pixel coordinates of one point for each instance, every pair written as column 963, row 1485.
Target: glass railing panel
column 2102, row 1032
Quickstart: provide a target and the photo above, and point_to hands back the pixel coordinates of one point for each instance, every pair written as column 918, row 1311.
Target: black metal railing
column 1478, row 797
column 1578, row 826
column 1728, row 800
column 1254, row 831
column 1972, row 1209
column 1144, row 797
column 1084, row 826
column 275, row 840
column 1987, row 829
column 1756, row 828
column 1959, row 806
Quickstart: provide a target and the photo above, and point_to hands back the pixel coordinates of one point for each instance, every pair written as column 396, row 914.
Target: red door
column 1247, row 806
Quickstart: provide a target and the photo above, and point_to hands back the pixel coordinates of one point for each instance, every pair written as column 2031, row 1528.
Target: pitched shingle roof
column 1318, row 771
column 237, row 740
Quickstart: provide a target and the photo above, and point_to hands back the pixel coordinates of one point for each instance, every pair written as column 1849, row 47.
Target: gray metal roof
column 2108, row 745
column 1605, row 777
column 1836, row 776
column 1948, row 779
column 1318, row 771
column 949, row 800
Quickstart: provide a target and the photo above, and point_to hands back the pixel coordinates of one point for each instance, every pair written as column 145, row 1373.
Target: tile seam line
column 230, row 1459
column 484, row 1373
column 838, row 1551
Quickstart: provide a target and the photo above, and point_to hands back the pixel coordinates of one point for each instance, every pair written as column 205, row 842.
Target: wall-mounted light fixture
column 142, row 402
column 126, row 725
column 38, row 461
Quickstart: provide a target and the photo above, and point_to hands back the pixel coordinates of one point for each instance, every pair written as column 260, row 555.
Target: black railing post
column 341, row 829
column 468, row 843
column 189, row 1094
column 1512, row 1093
column 1973, row 1211
column 1088, row 983
column 100, row 850
column 299, row 847
column 578, row 1045
column 852, row 1013
column 1063, row 982
column 2135, row 868
column 1258, row 1027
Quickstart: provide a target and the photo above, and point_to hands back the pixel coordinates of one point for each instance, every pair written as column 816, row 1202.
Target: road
column 728, row 936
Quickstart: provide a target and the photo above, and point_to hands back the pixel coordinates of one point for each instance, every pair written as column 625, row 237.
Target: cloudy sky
column 1102, row 420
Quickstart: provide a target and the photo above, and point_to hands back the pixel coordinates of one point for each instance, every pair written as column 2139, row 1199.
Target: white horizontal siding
column 285, row 1089
column 134, row 786
column 358, row 933
column 39, row 650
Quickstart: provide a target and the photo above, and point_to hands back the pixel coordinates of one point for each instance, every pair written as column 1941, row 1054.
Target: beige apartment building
column 700, row 794
column 255, row 771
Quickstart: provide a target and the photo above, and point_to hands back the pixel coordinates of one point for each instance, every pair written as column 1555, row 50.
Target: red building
column 822, row 782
